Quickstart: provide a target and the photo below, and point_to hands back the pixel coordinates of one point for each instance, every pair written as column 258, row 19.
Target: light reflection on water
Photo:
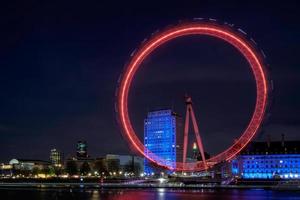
column 145, row 194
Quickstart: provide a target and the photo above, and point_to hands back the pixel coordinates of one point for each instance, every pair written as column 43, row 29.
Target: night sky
column 60, row 63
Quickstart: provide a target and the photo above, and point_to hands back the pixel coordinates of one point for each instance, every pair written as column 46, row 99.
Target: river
column 144, row 194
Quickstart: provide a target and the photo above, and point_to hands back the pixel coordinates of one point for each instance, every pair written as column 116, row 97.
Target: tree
column 24, row 172
column 58, row 171
column 100, row 166
column 36, row 171
column 133, row 167
column 113, row 165
column 85, row 168
column 71, row 167
column 45, row 170
column 51, row 171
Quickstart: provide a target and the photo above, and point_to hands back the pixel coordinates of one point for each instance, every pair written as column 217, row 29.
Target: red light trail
column 223, row 32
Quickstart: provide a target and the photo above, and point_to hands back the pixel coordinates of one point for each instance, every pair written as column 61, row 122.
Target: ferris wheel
column 225, row 32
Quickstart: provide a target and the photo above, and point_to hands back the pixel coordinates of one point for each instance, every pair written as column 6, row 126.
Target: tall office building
column 81, row 150
column 55, row 158
column 163, row 137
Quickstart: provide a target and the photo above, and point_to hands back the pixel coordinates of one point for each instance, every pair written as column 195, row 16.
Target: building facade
column 269, row 160
column 81, row 149
column 29, row 165
column 163, row 137
column 55, row 158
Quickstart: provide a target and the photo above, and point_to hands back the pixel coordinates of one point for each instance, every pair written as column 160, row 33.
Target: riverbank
column 96, row 183
column 124, row 186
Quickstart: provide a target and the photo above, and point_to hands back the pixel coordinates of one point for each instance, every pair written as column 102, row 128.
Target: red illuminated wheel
column 223, row 32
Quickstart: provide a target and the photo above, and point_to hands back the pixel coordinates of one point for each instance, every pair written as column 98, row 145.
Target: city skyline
column 60, row 73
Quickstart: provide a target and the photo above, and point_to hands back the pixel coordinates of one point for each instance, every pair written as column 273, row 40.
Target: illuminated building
column 196, row 154
column 195, row 151
column 5, row 166
column 269, row 160
column 24, row 164
column 81, row 149
column 5, row 169
column 162, row 137
column 55, row 158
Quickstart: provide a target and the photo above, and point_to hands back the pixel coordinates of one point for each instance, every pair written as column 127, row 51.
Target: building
column 55, row 158
column 28, row 165
column 268, row 160
column 78, row 165
column 120, row 165
column 113, row 163
column 82, row 163
column 81, row 149
column 131, row 164
column 100, row 167
column 195, row 151
column 197, row 155
column 163, row 137
column 5, row 169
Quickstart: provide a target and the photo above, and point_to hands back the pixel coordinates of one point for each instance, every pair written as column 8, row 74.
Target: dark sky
column 60, row 62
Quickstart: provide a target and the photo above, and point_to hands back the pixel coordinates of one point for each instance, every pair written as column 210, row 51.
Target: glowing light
column 41, row 176
column 161, row 191
column 5, row 167
column 253, row 57
column 194, row 146
column 162, row 180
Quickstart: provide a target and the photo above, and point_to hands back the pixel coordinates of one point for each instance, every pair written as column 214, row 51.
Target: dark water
column 144, row 194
